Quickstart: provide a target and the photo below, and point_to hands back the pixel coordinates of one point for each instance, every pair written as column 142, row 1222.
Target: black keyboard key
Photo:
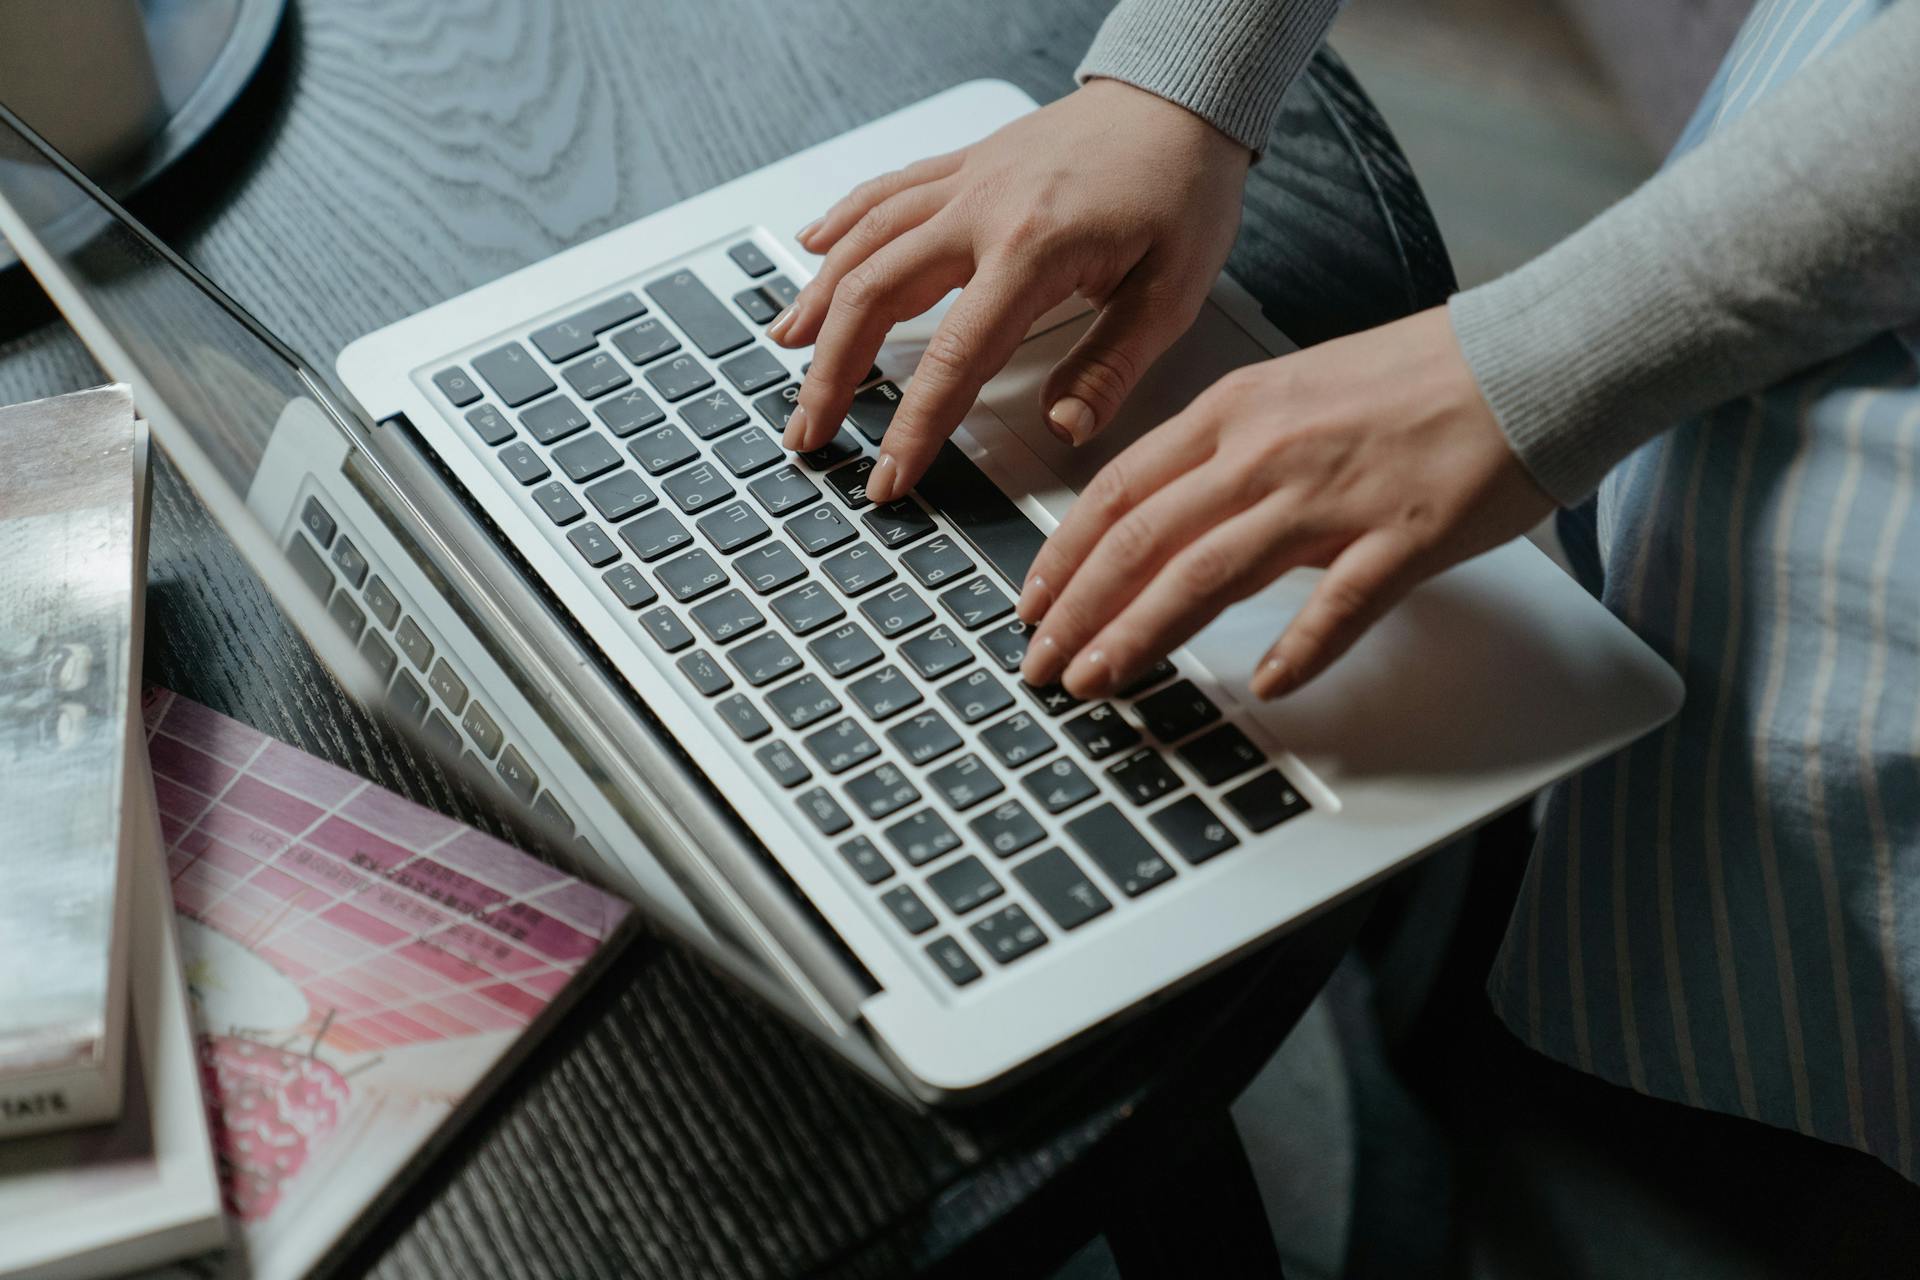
column 593, row 544
column 727, row 616
column 520, row 778
column 802, row 702
column 823, row 811
column 1176, row 711
column 923, row 737
column 655, row 534
column 1193, row 830
column 379, row 655
column 1059, row 785
column 939, row 560
column 457, row 387
column 985, row 516
column 950, row 958
column 732, row 527
column 557, row 503
column 1159, row 673
column 444, row 737
column 759, row 307
column 662, row 449
column 481, row 729
column 783, row 491
column 448, row 686
column 747, row 256
column 410, row 701
column 881, row 790
column 763, row 659
column 352, row 565
column 595, row 376
column 1266, row 801
column 1144, row 777
column 770, row 568
column 552, row 814
column 698, row 487
column 844, row 445
column 489, row 424
column 849, row 483
column 871, row 412
column 965, row 885
column 857, row 569
column 789, row 770
column 567, row 338
column 713, row 414
column 748, row 725
column 820, row 530
column 750, row 451
column 782, row 290
column 1008, row 934
column 1052, row 698
column 1007, row 828
column 844, row 650
column 1118, row 849
column 908, row 910
column 807, row 608
column 898, row 523
column 896, row 611
column 414, row 643
column 618, row 497
column 648, row 340
column 678, row 378
column 975, row 696
column 630, row 411
column 840, row 746
column 664, row 628
column 754, row 370
column 583, row 459
column 777, row 406
column 319, row 522
column 1101, row 732
column 867, row 861
column 691, row 576
column 886, row 692
column 975, row 603
column 1063, row 891
column 700, row 315
column 707, row 675
column 966, row 781
column 553, row 420
column 935, row 653
column 626, row 583
column 1222, row 753
column 513, row 374
column 1017, row 739
column 382, row 603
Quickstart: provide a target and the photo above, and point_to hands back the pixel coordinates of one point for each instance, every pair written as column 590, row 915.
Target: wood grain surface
column 397, row 152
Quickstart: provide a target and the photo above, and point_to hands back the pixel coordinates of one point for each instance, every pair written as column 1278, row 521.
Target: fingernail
column 1035, row 598
column 1273, row 679
column 881, row 479
column 1041, row 652
column 805, row 233
column 796, row 428
column 1072, row 416
column 1088, row 675
column 778, row 329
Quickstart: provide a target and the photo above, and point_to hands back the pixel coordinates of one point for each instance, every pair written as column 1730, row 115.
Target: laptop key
column 965, row 885
column 849, row 483
column 457, row 387
column 990, row 522
column 691, row 575
column 595, row 376
column 632, row 590
column 923, row 737
column 697, row 487
column 319, row 522
column 807, row 608
column 898, row 523
column 1063, row 891
column 859, row 568
column 1267, row 801
column 1008, row 934
column 844, row 445
column 481, row 729
column 520, row 778
column 820, row 530
column 1007, row 828
column 584, row 459
column 747, row 723
column 1144, row 777
column 1176, row 711
column 799, row 703
column 777, row 406
column 754, row 370
column 655, row 534
column 409, row 700
column 662, row 449
column 352, row 565
column 881, row 790
column 770, row 568
column 448, row 686
column 750, row 451
column 784, row 490
column 382, row 603
column 896, row 611
column 934, row 653
column 758, row 306
column 782, row 290
column 844, row 650
column 708, row 676
column 489, row 424
column 732, row 527
column 841, row 745
column 1059, row 785
column 1159, row 673
column 952, row 959
column 789, row 770
column 965, row 782
column 763, row 659
column 1007, row 645
column 713, row 414
column 871, row 412
column 646, row 341
column 312, row 569
column 939, row 560
column 727, row 616
column 557, row 503
column 975, row 696
column 567, row 338
column 630, row 411
column 1222, row 753
column 908, row 909
column 678, row 378
column 414, row 643
column 1053, row 698
column 442, row 734
column 664, row 628
column 620, row 496
column 379, row 655
column 553, row 419
column 886, row 692
column 975, row 603
column 513, row 374
column 1193, row 830
column 593, row 544
column 1017, row 739
column 700, row 315
column 827, row 815
column 866, row 860
column 1116, row 846
column 1100, row 732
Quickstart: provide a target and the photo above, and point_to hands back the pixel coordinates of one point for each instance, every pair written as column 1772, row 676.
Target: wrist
column 1119, row 95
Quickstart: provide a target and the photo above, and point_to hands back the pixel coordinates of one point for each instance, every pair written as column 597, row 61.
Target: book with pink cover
column 358, row 967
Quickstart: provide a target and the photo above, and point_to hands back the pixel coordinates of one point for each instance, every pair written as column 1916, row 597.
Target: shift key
column 699, row 315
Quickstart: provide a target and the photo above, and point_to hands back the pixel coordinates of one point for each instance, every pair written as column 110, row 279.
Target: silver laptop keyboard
column 866, row 655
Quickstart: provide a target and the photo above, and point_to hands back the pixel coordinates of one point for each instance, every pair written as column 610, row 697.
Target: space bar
column 984, row 515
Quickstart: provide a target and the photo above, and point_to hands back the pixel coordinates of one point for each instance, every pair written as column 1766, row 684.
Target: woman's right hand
column 1111, row 192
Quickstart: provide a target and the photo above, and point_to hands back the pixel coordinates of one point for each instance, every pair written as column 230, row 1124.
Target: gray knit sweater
column 1789, row 237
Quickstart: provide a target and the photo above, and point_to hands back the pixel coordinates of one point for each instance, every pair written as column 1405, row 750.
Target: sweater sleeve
column 1789, row 237
column 1227, row 61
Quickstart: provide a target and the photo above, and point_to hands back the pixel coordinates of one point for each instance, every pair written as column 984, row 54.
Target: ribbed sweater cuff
column 1227, row 61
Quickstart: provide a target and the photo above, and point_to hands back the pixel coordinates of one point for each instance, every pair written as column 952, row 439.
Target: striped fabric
column 1728, row 913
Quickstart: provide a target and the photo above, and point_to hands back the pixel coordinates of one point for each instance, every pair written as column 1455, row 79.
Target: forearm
column 1227, row 61
column 1788, row 238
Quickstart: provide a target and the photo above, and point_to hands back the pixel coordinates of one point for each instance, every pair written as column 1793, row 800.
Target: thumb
column 1086, row 389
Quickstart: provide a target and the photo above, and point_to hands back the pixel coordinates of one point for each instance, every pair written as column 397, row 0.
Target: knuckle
column 1131, row 539
column 1106, row 374
column 1207, row 569
column 877, row 225
column 1342, row 604
column 947, row 357
column 1111, row 492
column 862, row 288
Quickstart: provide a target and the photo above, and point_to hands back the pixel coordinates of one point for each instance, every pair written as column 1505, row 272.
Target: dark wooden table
column 397, row 152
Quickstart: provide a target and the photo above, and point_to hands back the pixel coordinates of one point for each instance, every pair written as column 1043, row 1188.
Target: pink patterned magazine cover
column 357, row 965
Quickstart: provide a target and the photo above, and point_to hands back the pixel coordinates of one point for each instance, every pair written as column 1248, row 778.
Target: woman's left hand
column 1374, row 456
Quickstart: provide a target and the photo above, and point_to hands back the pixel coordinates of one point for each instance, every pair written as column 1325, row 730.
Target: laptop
column 548, row 526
